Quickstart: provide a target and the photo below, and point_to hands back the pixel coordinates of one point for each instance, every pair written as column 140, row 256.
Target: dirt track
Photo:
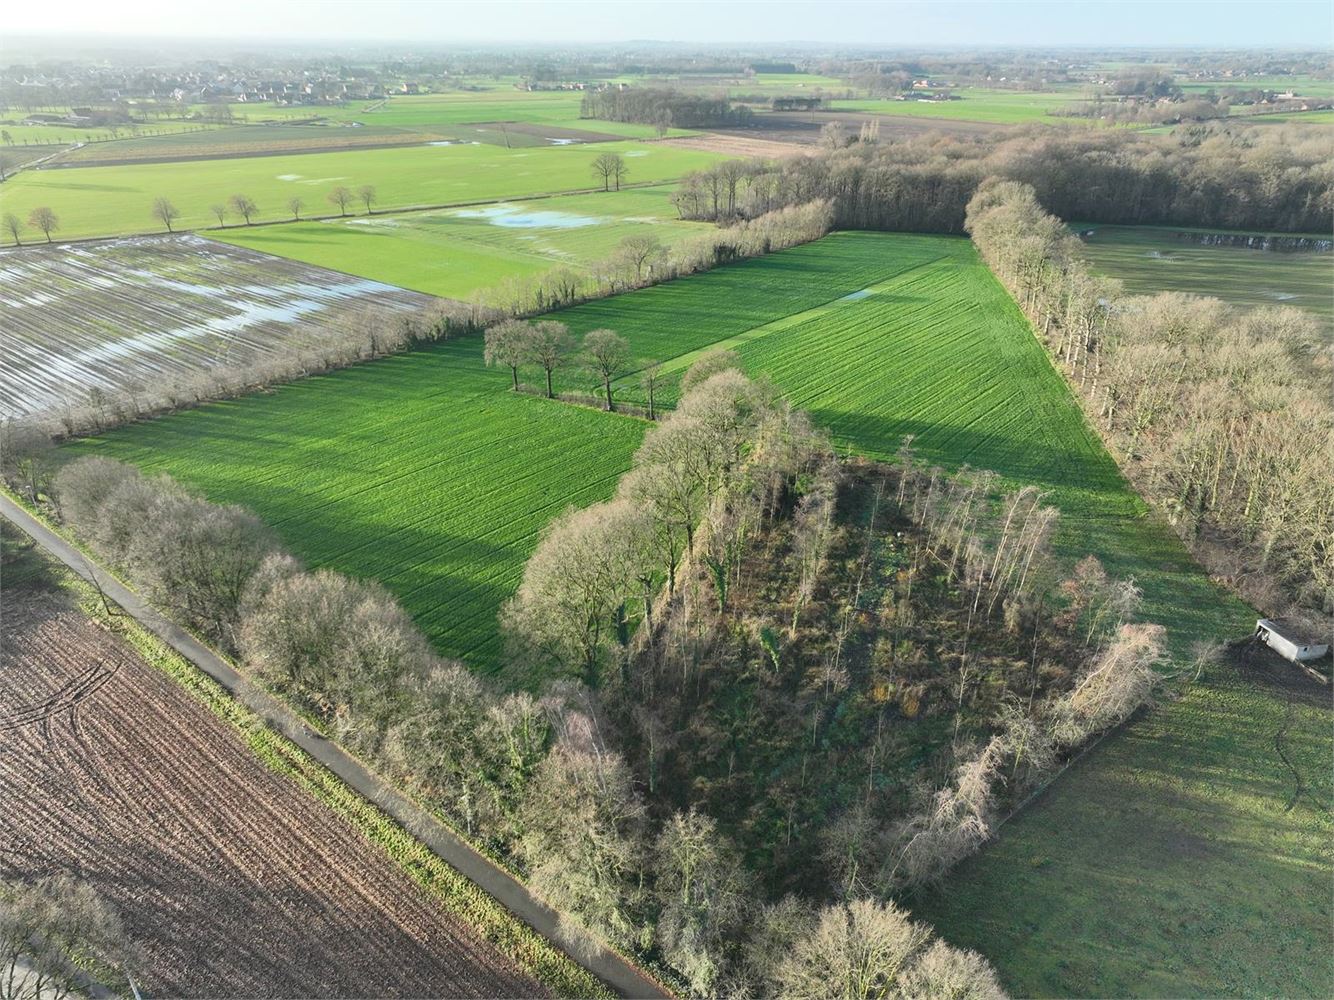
column 235, row 882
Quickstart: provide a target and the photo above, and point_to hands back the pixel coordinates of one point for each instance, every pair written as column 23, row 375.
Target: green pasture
column 998, row 107
column 427, row 112
column 114, row 200
column 1303, row 86
column 418, row 470
column 1183, row 857
column 457, row 253
column 1178, row 860
column 1325, row 117
column 1149, row 260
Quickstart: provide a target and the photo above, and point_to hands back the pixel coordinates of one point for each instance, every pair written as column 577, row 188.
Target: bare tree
column 507, row 344
column 27, row 457
column 583, row 832
column 243, row 206
column 708, row 365
column 832, row 136
column 609, row 168
column 701, row 890
column 664, row 123
column 165, row 212
column 14, row 226
column 606, row 353
column 5, row 165
column 549, row 345
column 294, row 205
column 856, row 951
column 220, row 211
column 44, row 219
column 45, row 928
column 367, row 195
column 649, row 380
column 342, row 197
column 639, row 252
column 575, row 586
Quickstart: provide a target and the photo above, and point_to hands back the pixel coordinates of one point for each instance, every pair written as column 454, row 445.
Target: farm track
column 277, row 876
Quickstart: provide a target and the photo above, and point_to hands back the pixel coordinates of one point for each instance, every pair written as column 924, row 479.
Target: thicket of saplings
column 840, row 704
column 543, row 781
column 1225, row 176
column 1223, row 415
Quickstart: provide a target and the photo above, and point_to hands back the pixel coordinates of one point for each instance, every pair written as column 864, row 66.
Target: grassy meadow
column 1153, row 868
column 418, row 470
column 458, row 252
column 1150, row 260
column 995, row 107
column 115, row 200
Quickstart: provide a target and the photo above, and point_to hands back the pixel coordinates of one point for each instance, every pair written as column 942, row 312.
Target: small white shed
column 1290, row 640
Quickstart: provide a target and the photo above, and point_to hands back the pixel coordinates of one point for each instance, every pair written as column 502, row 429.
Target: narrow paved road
column 611, row 968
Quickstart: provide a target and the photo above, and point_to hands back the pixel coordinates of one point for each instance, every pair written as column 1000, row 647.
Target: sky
column 953, row 23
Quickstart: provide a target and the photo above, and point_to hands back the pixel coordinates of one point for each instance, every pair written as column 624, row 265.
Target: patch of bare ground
column 232, row 881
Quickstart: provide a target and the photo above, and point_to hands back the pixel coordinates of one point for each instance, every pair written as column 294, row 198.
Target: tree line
column 1221, row 416
column 532, row 779
column 643, row 260
column 664, row 108
column 1211, row 175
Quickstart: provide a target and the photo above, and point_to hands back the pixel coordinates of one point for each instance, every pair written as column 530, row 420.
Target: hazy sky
column 1304, row 23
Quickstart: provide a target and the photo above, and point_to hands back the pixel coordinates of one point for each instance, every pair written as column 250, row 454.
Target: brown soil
column 232, row 880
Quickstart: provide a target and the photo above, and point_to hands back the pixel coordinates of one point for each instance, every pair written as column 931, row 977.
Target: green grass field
column 997, row 107
column 419, row 470
column 1150, row 260
column 1158, row 866
column 114, row 200
column 459, row 252
column 429, row 112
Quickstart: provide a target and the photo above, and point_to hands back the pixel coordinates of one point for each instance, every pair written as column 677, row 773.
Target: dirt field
column 233, row 881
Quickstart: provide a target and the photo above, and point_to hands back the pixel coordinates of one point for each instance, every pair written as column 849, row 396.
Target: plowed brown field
column 233, row 881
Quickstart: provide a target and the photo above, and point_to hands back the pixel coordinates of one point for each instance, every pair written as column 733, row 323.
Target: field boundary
column 396, row 210
column 372, row 795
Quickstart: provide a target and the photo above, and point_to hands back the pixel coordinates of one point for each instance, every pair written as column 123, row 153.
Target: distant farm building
column 1290, row 640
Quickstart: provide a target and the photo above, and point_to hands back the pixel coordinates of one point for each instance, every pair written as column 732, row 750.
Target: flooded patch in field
column 513, row 217
column 562, row 142
column 152, row 311
column 636, row 152
column 857, row 295
column 289, row 177
column 453, row 142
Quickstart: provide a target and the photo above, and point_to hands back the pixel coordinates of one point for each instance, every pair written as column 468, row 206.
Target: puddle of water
column 636, row 152
column 511, row 217
column 859, row 294
column 289, row 177
column 453, row 142
column 561, row 142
